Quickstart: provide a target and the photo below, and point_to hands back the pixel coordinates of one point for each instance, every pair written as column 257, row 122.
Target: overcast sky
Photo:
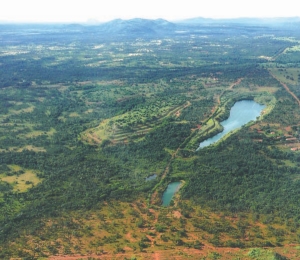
column 105, row 10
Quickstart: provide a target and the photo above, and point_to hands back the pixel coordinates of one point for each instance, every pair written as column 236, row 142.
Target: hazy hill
column 137, row 26
column 144, row 27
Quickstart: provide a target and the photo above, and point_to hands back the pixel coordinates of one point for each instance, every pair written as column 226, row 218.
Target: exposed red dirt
column 129, row 237
column 177, row 214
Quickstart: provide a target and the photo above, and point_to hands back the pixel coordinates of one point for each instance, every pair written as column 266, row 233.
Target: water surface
column 151, row 177
column 172, row 188
column 241, row 113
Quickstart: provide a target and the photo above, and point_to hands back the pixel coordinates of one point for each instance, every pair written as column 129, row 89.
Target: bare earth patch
column 177, row 214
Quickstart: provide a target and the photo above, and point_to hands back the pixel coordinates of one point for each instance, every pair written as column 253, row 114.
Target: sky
column 67, row 11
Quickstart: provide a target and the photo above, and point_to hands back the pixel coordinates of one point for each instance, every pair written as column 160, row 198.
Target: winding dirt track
column 287, row 89
column 230, row 87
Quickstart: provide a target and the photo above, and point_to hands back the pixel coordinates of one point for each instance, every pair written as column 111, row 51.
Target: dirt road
column 287, row 89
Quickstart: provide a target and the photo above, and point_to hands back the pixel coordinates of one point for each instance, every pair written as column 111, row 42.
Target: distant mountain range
column 139, row 27
column 143, row 27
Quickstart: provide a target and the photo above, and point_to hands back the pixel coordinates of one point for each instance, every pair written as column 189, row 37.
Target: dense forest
column 85, row 119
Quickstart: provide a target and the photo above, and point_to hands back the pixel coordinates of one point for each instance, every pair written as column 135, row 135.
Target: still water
column 240, row 114
column 172, row 188
column 151, row 177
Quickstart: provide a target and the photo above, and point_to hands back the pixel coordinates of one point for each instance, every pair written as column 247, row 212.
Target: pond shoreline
column 169, row 192
column 241, row 113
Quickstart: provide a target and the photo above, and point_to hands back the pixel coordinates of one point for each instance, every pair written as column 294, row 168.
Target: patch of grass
column 295, row 48
column 214, row 256
column 289, row 76
column 24, row 110
column 21, row 149
column 21, row 180
column 14, row 167
column 74, row 114
column 263, row 254
column 36, row 133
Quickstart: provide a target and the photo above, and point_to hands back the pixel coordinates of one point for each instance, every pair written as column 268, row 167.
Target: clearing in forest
column 20, row 179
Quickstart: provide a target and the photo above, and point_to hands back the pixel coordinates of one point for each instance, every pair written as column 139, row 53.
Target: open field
column 289, row 76
column 20, row 179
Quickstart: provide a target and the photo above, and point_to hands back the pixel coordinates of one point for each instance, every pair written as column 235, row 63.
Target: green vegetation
column 85, row 119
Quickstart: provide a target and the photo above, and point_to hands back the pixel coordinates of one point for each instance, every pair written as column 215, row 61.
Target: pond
column 151, row 177
column 168, row 194
column 240, row 114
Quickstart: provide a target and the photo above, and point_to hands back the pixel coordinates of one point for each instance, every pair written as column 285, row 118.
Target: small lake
column 172, row 188
column 151, row 177
column 241, row 113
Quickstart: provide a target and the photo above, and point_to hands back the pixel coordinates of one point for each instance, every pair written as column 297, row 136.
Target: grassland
column 20, row 179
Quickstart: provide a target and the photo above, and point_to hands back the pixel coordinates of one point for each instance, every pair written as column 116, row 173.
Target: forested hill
column 138, row 27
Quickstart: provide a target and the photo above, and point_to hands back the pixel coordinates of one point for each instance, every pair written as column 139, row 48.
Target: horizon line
column 95, row 21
